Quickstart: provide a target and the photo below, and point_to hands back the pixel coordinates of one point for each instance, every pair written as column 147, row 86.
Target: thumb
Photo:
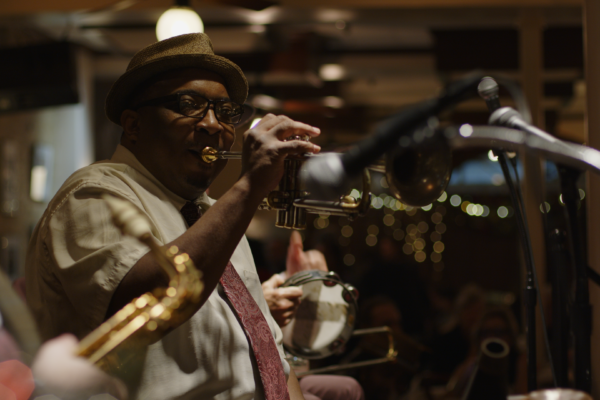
column 296, row 240
column 273, row 282
column 295, row 255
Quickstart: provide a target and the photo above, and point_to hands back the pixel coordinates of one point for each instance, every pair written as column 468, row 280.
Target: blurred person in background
column 452, row 343
column 283, row 303
column 55, row 370
column 390, row 380
column 389, row 276
column 498, row 323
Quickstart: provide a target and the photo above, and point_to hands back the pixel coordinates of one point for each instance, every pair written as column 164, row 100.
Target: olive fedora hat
column 193, row 50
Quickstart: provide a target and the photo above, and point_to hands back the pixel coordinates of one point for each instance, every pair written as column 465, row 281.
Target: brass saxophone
column 149, row 317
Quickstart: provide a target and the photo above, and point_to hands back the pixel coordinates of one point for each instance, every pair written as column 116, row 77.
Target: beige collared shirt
column 76, row 259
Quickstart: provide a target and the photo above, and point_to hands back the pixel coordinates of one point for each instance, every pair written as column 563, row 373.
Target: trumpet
column 291, row 202
column 418, row 171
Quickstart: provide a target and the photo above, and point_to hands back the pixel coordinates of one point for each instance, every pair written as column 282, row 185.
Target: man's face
column 169, row 144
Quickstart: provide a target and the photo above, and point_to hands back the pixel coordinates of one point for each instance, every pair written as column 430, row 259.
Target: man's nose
column 210, row 123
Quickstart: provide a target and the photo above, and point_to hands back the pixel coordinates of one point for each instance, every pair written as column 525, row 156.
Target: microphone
column 488, row 90
column 329, row 175
column 510, row 118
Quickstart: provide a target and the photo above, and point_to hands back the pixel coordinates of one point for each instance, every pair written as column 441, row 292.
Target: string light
column 347, row 231
column 349, row 260
column 502, row 212
column 443, row 197
column 545, row 205
column 440, row 228
column 371, row 240
column 389, row 220
column 420, row 256
column 321, row 223
column 438, row 247
column 398, row 234
column 419, row 244
column 376, row 202
column 455, row 200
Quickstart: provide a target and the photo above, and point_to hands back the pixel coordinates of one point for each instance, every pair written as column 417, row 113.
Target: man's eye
column 188, row 104
column 228, row 108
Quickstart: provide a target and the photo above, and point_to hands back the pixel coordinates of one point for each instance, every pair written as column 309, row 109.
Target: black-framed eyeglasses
column 196, row 106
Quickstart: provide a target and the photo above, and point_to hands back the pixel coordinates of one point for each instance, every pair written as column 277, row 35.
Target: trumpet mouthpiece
column 209, row 155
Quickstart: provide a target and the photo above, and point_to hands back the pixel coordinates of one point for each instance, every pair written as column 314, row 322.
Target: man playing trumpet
column 175, row 99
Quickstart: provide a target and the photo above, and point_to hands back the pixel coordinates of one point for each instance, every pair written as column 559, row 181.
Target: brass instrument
column 147, row 318
column 291, row 202
column 390, row 357
column 417, row 170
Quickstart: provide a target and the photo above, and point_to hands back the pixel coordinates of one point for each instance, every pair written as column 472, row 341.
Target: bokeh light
column 502, row 212
column 347, row 231
column 349, row 260
column 455, row 200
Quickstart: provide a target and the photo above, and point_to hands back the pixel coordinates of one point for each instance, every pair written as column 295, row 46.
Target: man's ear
column 130, row 121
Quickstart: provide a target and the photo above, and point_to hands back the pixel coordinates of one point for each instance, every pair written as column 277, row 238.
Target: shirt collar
column 122, row 155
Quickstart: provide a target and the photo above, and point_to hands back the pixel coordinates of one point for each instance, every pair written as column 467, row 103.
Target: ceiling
column 389, row 49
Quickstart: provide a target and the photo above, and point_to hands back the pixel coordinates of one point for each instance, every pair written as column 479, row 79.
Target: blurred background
column 342, row 66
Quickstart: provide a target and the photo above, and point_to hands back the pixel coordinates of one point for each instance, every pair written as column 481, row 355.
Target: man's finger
column 292, row 292
column 297, row 147
column 283, row 126
column 287, row 127
column 316, row 260
column 295, row 254
column 273, row 282
column 296, row 240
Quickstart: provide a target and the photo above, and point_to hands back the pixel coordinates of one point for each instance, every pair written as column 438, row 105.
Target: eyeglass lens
column 197, row 106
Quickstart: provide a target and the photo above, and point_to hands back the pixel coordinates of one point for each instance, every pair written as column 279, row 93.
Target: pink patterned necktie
column 253, row 321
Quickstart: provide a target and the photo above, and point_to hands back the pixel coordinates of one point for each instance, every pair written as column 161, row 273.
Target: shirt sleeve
column 87, row 253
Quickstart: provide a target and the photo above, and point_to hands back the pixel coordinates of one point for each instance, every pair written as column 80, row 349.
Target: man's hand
column 300, row 260
column 282, row 302
column 265, row 148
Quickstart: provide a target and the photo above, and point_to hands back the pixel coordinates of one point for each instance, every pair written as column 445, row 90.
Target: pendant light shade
column 178, row 20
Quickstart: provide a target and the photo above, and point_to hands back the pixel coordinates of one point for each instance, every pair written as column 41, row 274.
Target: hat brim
column 120, row 93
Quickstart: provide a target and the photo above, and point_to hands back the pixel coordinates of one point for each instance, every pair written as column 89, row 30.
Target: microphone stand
column 572, row 159
column 488, row 90
column 581, row 311
column 530, row 291
column 557, row 270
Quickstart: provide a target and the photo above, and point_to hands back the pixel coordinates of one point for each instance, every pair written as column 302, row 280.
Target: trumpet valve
column 209, row 155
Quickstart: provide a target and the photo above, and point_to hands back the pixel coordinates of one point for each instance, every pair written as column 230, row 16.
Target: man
column 176, row 98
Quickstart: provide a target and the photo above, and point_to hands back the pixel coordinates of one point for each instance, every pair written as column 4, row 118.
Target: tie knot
column 191, row 213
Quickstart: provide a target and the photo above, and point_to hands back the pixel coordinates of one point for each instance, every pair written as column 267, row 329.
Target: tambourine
column 325, row 318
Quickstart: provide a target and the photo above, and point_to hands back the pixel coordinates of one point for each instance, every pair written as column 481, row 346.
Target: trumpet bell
column 418, row 170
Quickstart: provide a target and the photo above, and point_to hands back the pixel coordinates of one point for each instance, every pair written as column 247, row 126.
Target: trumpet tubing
column 291, row 201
